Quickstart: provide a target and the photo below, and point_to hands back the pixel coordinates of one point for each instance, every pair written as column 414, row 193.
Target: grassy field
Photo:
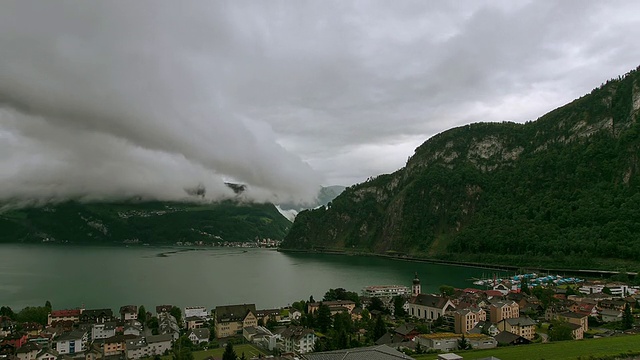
column 564, row 350
column 249, row 352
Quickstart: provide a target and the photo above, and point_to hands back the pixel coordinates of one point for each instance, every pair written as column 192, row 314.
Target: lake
column 108, row 277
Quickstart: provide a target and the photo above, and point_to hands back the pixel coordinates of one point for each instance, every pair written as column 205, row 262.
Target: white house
column 48, row 354
column 158, row 344
column 298, row 339
column 129, row 312
column 28, row 351
column 103, row 330
column 198, row 336
column 72, row 342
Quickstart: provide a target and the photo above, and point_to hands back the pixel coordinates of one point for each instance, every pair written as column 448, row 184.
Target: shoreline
column 590, row 273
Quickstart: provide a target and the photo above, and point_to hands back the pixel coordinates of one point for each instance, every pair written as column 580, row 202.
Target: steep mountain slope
column 562, row 190
column 143, row 222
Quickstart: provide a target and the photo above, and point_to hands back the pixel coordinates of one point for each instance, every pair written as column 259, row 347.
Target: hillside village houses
column 485, row 318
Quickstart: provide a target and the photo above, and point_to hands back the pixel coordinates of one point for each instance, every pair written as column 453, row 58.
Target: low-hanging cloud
column 120, row 99
column 146, row 98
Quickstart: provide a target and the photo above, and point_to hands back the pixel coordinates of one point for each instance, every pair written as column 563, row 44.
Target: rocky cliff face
column 555, row 187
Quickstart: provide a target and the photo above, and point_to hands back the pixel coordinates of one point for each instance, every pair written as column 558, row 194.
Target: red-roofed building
column 493, row 293
column 587, row 309
column 472, row 290
column 64, row 315
column 16, row 340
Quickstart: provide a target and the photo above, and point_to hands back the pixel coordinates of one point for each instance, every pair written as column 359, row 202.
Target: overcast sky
column 146, row 98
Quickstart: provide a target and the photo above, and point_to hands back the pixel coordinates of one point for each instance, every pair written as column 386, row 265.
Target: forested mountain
column 563, row 190
column 143, row 222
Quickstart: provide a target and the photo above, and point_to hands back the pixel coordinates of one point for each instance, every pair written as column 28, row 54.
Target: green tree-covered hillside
column 563, row 190
column 148, row 222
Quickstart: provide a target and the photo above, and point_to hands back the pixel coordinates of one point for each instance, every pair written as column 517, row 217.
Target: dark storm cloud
column 112, row 98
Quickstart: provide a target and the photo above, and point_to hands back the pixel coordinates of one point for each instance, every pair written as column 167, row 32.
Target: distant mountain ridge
column 561, row 190
column 151, row 222
column 143, row 222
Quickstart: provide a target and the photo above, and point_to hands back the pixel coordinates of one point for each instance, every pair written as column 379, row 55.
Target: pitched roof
column 430, row 301
column 119, row 338
column 73, row 335
column 28, row 347
column 520, row 321
column 129, row 309
column 65, row 313
column 608, row 312
column 405, row 329
column 296, row 332
column 506, row 337
column 378, row 352
column 571, row 314
column 159, row 338
column 389, row 338
column 201, row 333
column 234, row 312
column 573, row 326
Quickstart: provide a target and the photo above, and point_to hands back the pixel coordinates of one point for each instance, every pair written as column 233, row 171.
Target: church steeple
column 415, row 288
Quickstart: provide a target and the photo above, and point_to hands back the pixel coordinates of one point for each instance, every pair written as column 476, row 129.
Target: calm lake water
column 109, row 277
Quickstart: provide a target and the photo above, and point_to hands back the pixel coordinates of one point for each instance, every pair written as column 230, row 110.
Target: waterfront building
column 385, row 291
column 199, row 311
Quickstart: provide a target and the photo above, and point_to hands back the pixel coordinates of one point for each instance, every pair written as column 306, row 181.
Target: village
column 388, row 321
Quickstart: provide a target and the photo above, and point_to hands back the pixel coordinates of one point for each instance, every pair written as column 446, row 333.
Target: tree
column 243, row 357
column 37, row 314
column 324, row 318
column 321, row 344
column 153, row 324
column 606, row 290
column 524, row 286
column 229, row 353
column 376, row 304
column 182, row 349
column 343, row 322
column 342, row 341
column 627, row 317
column 300, row 306
column 560, row 331
column 341, row 294
column 419, row 349
column 176, row 313
column 6, row 311
column 463, row 343
column 398, row 306
column 48, row 305
column 379, row 329
column 447, row 290
column 142, row 314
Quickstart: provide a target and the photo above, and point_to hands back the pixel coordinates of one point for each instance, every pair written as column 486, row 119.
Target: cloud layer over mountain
column 118, row 98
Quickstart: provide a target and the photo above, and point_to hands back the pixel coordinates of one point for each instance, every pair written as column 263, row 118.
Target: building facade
column 230, row 320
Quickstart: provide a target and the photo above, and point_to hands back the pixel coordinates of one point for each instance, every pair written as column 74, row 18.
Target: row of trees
column 36, row 314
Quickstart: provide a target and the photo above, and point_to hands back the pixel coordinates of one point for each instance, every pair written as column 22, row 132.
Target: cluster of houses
column 89, row 334
column 504, row 314
column 482, row 318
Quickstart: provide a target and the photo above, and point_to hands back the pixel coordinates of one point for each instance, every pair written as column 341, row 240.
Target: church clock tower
column 415, row 288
